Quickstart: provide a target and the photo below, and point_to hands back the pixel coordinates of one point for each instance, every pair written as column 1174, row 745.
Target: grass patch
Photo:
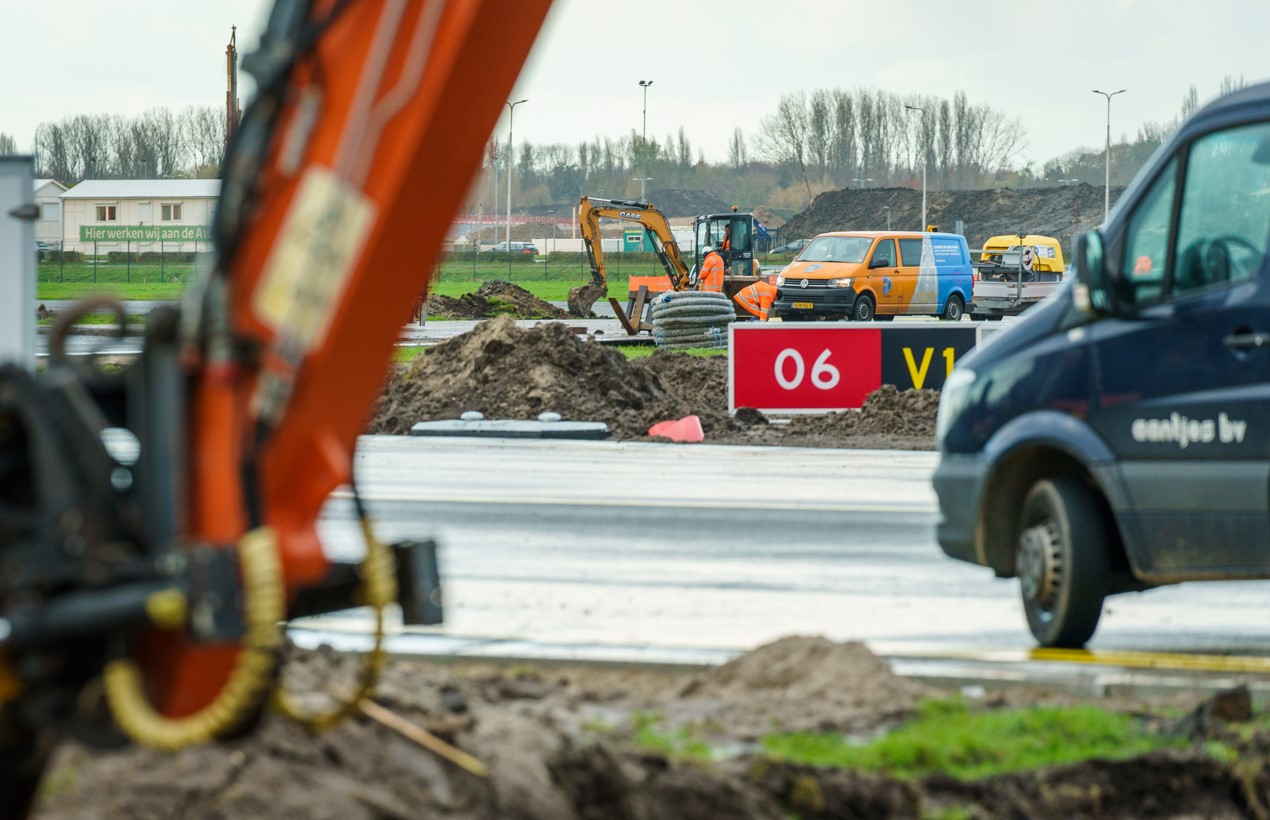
column 405, row 355
column 167, row 291
column 674, row 744
column 948, row 738
column 99, row 319
column 644, row 351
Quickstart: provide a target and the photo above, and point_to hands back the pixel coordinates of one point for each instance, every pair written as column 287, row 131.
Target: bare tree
column 819, row 131
column 203, row 131
column 684, row 149
column 8, row 145
column 843, row 152
column 52, row 152
column 783, row 136
column 738, row 156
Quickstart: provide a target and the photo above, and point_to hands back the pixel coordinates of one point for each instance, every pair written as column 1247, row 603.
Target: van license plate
column 804, row 306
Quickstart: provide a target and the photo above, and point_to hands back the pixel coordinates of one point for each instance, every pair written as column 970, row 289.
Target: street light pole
column 1106, row 190
column 923, row 110
column 644, row 84
column 887, row 208
column 511, row 155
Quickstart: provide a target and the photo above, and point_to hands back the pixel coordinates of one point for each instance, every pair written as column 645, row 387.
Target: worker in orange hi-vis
column 711, row 276
column 757, row 299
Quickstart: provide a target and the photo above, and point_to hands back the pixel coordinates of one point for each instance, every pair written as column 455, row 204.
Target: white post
column 1106, row 186
column 511, row 157
column 923, row 110
column 17, row 261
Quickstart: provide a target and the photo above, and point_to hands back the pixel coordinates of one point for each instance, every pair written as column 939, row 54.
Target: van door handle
column 1247, row 341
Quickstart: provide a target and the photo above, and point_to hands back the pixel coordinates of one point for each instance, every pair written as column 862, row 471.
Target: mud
column 564, row 742
column 1061, row 212
column 516, row 373
column 494, row 298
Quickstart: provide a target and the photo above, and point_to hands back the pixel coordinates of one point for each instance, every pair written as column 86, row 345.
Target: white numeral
column 824, row 376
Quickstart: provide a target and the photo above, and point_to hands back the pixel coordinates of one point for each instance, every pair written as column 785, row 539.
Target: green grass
column 100, row 319
column 948, row 738
column 674, row 744
column 170, row 291
column 644, row 351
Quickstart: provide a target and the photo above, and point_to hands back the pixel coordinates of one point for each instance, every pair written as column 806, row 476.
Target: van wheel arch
column 1001, row 507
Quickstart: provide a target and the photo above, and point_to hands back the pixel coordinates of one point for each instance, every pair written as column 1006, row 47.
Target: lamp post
column 1106, row 190
column 644, row 84
column 923, row 110
column 511, row 155
column 887, row 208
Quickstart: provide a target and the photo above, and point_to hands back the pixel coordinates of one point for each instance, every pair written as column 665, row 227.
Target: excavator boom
column 590, row 211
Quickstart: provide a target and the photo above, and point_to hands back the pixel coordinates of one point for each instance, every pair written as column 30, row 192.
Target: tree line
column 156, row 144
column 825, row 140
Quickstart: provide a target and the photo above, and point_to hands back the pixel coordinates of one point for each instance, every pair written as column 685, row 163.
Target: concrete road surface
column 721, row 548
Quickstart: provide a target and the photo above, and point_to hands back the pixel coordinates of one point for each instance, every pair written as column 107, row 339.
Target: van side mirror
column 879, row 262
column 1093, row 292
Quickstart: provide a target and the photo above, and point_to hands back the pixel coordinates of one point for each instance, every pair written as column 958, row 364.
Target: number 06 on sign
column 820, row 367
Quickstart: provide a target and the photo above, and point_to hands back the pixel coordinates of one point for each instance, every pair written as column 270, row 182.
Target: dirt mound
column 516, row 373
column 806, row 684
column 887, row 413
column 513, row 373
column 1062, row 212
column 677, row 202
column 563, row 743
column 494, row 298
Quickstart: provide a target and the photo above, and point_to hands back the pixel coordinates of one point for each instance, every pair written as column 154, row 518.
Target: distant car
column 42, row 246
column 791, row 247
column 515, row 247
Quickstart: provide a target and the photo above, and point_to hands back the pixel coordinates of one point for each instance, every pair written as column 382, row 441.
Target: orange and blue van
column 863, row 275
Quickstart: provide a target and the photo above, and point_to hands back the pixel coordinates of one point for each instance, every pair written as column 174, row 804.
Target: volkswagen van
column 862, row 275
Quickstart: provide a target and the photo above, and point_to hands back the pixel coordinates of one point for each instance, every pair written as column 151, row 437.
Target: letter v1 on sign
column 922, row 358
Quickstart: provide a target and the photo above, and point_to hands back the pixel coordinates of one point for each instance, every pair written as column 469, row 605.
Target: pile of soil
column 494, row 298
column 1061, row 212
column 508, row 372
column 676, row 202
column 562, row 743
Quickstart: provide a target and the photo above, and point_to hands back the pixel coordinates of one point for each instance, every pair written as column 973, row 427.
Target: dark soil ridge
column 495, row 297
column 557, row 743
column 1061, row 212
column 508, row 372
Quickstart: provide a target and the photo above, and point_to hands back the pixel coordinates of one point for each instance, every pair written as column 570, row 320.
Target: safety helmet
column 707, row 250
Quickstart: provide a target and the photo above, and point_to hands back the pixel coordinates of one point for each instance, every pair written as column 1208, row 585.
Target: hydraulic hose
column 379, row 588
column 264, row 608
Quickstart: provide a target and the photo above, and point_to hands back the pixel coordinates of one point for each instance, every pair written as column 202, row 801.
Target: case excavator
column 731, row 234
column 158, row 525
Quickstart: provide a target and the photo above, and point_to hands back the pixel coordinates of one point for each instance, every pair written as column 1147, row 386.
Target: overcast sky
column 714, row 65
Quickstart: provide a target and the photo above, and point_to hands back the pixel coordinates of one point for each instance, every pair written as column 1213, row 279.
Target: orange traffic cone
column 686, row 430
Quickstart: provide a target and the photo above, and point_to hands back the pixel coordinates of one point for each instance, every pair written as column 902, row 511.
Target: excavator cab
column 732, row 235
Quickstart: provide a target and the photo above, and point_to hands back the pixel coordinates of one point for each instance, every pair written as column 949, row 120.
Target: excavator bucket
column 582, row 298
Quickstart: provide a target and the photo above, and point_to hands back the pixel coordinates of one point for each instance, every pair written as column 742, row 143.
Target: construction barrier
column 785, row 367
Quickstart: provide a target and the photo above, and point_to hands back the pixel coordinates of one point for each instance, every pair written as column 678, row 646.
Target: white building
column 49, row 227
column 103, row 215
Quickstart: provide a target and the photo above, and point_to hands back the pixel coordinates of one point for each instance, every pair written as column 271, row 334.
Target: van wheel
column 863, row 311
column 1062, row 561
column 954, row 308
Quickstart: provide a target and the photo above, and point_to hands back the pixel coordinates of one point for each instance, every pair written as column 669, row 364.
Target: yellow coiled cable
column 264, row 608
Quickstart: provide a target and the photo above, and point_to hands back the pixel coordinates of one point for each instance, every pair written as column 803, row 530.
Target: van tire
column 954, row 309
column 863, row 310
column 1062, row 560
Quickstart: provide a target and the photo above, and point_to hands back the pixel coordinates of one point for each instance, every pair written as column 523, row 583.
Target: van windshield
column 836, row 249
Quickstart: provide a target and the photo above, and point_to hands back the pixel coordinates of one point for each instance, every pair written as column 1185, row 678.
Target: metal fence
column 121, row 262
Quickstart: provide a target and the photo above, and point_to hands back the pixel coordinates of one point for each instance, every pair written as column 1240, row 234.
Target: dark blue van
column 1118, row 437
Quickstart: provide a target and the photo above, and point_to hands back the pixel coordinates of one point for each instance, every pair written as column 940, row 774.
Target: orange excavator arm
column 366, row 132
column 653, row 221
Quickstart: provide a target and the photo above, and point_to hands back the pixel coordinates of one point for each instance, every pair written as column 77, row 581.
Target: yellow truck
column 1014, row 272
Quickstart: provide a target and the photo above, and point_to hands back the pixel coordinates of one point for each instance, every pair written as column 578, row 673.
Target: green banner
column 145, row 233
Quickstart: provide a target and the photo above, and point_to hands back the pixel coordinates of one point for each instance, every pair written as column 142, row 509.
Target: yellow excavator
column 731, row 234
